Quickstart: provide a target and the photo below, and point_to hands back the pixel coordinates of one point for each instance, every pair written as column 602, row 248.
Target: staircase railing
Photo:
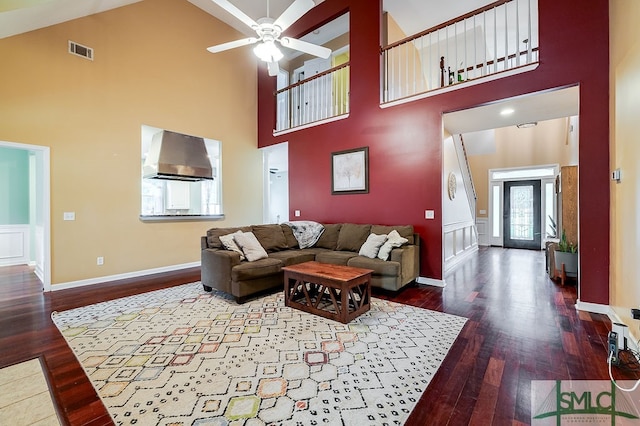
column 498, row 37
column 467, row 178
column 322, row 96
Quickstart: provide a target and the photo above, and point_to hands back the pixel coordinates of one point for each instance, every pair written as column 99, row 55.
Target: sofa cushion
column 271, row 237
column 315, row 250
column 371, row 247
column 335, row 257
column 393, row 240
column 405, row 231
column 250, row 246
column 254, row 270
column 292, row 243
column 213, row 235
column 329, row 238
column 379, row 267
column 230, row 244
column 292, row 257
column 352, row 236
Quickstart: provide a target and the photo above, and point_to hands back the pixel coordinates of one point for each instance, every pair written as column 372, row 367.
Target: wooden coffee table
column 337, row 292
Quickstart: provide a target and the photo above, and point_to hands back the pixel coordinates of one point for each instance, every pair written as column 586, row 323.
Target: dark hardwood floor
column 522, row 327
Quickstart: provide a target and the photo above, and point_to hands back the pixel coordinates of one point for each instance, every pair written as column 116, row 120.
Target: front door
column 522, row 214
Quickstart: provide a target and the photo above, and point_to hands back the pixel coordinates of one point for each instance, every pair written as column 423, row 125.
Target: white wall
column 459, row 231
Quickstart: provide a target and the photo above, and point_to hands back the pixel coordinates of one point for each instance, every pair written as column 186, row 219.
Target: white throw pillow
column 372, row 245
column 250, row 246
column 393, row 240
column 229, row 243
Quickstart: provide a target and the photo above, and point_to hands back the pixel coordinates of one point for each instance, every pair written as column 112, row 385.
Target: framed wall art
column 350, row 171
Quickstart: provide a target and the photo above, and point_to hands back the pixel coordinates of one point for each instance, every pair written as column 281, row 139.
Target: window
column 550, row 210
column 496, row 210
column 180, row 199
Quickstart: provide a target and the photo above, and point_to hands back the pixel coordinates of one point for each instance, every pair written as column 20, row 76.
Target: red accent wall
column 405, row 141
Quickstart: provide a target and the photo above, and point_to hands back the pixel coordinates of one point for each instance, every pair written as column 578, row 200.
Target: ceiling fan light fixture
column 268, row 52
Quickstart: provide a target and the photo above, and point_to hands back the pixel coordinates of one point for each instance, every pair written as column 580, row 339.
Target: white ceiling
column 21, row 16
column 527, row 108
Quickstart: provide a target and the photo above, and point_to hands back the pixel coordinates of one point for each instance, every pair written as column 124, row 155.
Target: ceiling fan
column 268, row 33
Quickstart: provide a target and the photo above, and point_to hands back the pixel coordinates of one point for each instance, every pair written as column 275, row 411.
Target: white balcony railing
column 320, row 97
column 498, row 37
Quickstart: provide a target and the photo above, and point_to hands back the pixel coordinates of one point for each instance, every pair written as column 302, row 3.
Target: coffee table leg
column 344, row 294
column 287, row 289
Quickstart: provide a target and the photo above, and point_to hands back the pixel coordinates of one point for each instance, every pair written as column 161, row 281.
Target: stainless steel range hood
column 174, row 156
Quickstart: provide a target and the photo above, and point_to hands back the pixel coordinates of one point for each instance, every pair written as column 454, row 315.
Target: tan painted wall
column 151, row 67
column 334, row 44
column 546, row 143
column 625, row 154
column 392, row 32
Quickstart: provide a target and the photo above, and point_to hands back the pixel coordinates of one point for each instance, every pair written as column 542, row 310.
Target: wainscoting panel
column 482, row 225
column 460, row 241
column 14, row 245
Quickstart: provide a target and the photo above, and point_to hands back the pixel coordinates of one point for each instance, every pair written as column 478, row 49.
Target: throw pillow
column 213, row 235
column 372, row 245
column 393, row 240
column 229, row 243
column 250, row 246
column 405, row 231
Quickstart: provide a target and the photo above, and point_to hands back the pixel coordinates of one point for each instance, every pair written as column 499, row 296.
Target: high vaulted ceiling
column 19, row 16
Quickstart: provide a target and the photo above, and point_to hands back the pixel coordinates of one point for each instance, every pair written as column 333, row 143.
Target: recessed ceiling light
column 507, row 111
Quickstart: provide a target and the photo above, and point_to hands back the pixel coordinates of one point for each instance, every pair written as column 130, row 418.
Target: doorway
column 521, row 214
column 275, row 160
column 522, row 203
column 39, row 222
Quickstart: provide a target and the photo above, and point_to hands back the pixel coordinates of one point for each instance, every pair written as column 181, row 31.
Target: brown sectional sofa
column 339, row 244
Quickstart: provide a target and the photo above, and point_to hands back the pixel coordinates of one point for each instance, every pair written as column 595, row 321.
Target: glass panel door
column 521, row 214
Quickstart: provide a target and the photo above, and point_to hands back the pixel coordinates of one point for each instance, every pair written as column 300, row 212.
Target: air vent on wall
column 80, row 50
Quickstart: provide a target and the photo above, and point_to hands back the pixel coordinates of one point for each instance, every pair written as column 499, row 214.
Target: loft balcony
column 320, row 97
column 495, row 41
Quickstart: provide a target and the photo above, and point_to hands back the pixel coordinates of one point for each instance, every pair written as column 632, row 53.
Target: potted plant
column 566, row 257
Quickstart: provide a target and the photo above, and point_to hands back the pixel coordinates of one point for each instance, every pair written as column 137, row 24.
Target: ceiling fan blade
column 226, row 5
column 273, row 68
column 231, row 45
column 293, row 13
column 303, row 46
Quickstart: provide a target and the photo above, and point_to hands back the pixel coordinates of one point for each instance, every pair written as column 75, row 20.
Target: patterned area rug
column 181, row 356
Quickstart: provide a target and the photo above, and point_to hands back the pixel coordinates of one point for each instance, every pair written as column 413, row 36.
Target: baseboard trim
column 127, row 275
column 459, row 259
column 596, row 308
column 431, row 281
